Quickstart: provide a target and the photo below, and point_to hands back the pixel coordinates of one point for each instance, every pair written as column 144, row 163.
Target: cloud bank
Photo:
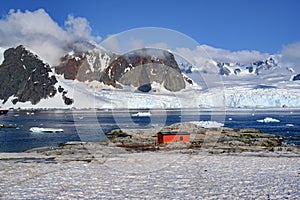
column 38, row 32
column 290, row 55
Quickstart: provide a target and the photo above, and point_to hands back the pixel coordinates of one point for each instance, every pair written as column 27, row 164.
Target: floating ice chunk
column 268, row 120
column 208, row 124
column 141, row 114
column 289, row 125
column 45, row 130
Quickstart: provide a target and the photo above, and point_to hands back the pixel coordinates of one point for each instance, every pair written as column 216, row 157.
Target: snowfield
column 154, row 176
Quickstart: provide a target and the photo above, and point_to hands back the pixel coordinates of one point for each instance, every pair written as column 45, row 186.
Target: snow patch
column 1, row 55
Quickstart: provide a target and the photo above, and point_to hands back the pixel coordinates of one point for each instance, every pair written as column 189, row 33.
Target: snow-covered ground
column 154, row 176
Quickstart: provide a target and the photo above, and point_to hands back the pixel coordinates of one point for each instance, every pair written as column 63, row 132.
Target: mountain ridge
column 109, row 78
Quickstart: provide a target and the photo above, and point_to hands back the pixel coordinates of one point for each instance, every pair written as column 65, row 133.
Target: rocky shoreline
column 220, row 140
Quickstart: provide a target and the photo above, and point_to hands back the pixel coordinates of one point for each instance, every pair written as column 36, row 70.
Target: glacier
column 271, row 87
column 88, row 96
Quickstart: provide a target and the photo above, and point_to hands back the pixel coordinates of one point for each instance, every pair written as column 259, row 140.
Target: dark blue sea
column 91, row 125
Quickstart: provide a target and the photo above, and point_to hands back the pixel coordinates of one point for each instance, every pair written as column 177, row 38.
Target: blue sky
column 262, row 25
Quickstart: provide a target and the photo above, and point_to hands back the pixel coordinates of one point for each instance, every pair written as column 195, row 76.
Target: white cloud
column 79, row 28
column 203, row 56
column 136, row 44
column 160, row 45
column 117, row 44
column 290, row 56
column 111, row 43
column 38, row 32
column 244, row 56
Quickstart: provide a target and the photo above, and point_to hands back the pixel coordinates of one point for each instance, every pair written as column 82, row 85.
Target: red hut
column 173, row 136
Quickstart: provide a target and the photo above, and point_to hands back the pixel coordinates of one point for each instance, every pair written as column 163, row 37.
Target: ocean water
column 91, row 125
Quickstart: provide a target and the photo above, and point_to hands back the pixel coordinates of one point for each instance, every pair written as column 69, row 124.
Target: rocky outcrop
column 141, row 68
column 25, row 76
column 296, row 77
column 213, row 140
column 209, row 140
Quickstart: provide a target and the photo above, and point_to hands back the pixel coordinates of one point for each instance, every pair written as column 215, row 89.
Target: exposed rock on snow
column 296, row 77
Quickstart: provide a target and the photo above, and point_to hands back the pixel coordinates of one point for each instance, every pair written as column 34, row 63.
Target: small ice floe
column 267, row 120
column 229, row 119
column 208, row 124
column 45, row 130
column 29, row 113
column 289, row 125
column 141, row 114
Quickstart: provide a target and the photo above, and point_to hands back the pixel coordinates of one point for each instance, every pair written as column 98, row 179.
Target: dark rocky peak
column 140, row 57
column 140, row 68
column 264, row 65
column 256, row 67
column 25, row 76
column 21, row 55
column 223, row 68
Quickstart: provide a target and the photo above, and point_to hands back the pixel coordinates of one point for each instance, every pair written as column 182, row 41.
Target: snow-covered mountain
column 139, row 68
column 85, row 62
column 90, row 77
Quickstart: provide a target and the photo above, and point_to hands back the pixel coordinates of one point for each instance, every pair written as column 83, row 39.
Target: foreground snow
column 154, row 176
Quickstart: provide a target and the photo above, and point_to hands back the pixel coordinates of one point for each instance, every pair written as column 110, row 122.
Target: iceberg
column 141, row 114
column 267, row 120
column 208, row 124
column 45, row 130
